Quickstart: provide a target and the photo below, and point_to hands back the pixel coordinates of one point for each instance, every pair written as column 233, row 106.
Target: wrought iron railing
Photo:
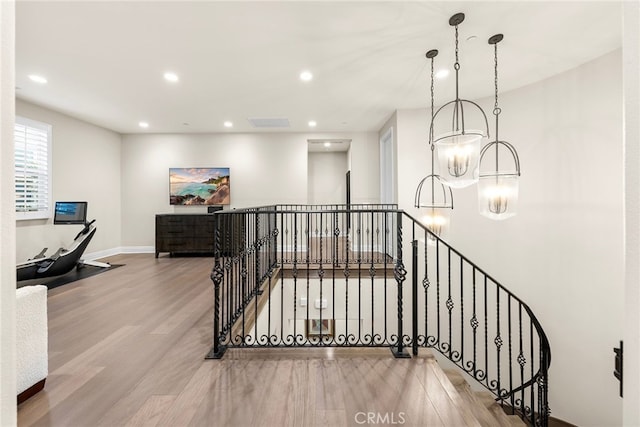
column 373, row 276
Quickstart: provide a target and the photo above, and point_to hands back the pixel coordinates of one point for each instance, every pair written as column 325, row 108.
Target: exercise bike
column 63, row 260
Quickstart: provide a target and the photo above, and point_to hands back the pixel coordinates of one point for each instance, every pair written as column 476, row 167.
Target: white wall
column 86, row 166
column 563, row 252
column 7, row 218
column 265, row 169
column 391, row 124
column 631, row 82
column 327, row 181
column 364, row 166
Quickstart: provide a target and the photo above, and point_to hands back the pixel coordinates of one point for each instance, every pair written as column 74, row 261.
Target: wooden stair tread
column 485, row 417
column 503, row 419
column 460, row 403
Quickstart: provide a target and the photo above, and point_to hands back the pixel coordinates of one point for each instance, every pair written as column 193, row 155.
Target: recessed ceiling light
column 171, row 77
column 37, row 79
column 143, row 124
column 441, row 74
column 327, row 144
column 228, row 124
column 472, row 38
column 306, row 76
column 312, row 123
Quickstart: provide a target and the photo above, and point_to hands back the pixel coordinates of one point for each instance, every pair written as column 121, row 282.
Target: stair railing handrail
column 545, row 348
column 532, row 316
column 271, row 236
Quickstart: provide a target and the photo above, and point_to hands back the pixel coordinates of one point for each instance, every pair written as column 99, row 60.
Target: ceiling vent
column 332, row 141
column 269, row 122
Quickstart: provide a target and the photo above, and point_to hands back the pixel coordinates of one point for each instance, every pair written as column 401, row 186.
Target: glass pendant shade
column 458, row 156
column 437, row 221
column 457, row 144
column 435, row 202
column 498, row 195
column 498, row 186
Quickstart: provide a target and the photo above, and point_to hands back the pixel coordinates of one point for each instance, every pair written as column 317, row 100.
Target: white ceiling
column 104, row 61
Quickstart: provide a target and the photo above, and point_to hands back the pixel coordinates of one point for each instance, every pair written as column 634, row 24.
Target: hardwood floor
column 127, row 347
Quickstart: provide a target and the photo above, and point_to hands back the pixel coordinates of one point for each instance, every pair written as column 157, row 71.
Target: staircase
column 372, row 276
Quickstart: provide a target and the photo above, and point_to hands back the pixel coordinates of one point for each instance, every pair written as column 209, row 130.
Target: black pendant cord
column 458, row 111
column 456, row 67
column 494, row 40
column 430, row 55
column 431, row 139
column 496, row 109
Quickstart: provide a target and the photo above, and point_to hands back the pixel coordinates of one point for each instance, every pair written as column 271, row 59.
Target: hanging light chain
column 432, row 108
column 457, row 64
column 431, row 137
column 496, row 110
column 494, row 40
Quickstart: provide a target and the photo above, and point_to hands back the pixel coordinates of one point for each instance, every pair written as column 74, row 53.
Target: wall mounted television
column 70, row 213
column 199, row 186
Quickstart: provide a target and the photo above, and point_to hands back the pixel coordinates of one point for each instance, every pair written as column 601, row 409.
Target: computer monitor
column 70, row 213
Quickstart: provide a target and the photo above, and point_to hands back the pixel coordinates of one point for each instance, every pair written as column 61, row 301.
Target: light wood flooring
column 127, row 348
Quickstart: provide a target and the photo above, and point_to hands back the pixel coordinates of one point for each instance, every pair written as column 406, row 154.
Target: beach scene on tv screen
column 199, row 186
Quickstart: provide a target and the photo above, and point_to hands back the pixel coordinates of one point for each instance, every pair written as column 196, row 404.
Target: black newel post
column 400, row 274
column 414, row 300
column 217, row 273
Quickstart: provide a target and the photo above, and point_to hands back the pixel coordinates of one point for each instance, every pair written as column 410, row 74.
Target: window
column 32, row 169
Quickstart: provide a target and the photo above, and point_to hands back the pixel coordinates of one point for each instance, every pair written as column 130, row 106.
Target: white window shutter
column 32, row 169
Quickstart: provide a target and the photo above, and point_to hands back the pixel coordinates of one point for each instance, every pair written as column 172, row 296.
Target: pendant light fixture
column 459, row 146
column 498, row 188
column 433, row 197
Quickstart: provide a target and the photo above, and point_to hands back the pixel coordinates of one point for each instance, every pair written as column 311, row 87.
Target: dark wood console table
column 185, row 233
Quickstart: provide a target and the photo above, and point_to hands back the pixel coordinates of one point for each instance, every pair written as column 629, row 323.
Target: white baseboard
column 138, row 250
column 119, row 250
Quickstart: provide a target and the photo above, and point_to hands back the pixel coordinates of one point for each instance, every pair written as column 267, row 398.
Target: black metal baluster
column 239, row 291
column 334, row 267
column 217, row 274
column 498, row 339
column 307, row 320
column 533, row 386
column 282, row 336
column 486, row 333
column 321, row 274
column 521, row 358
column 256, row 255
column 425, row 285
column 509, row 332
column 372, row 273
column 438, row 340
column 414, row 293
column 449, row 302
column 400, row 275
column 474, row 326
column 385, row 238
column 360, row 320
column 346, row 277
column 295, row 276
column 461, row 314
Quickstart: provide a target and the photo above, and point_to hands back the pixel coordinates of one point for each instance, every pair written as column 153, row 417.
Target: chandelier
column 498, row 188
column 433, row 197
column 459, row 146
